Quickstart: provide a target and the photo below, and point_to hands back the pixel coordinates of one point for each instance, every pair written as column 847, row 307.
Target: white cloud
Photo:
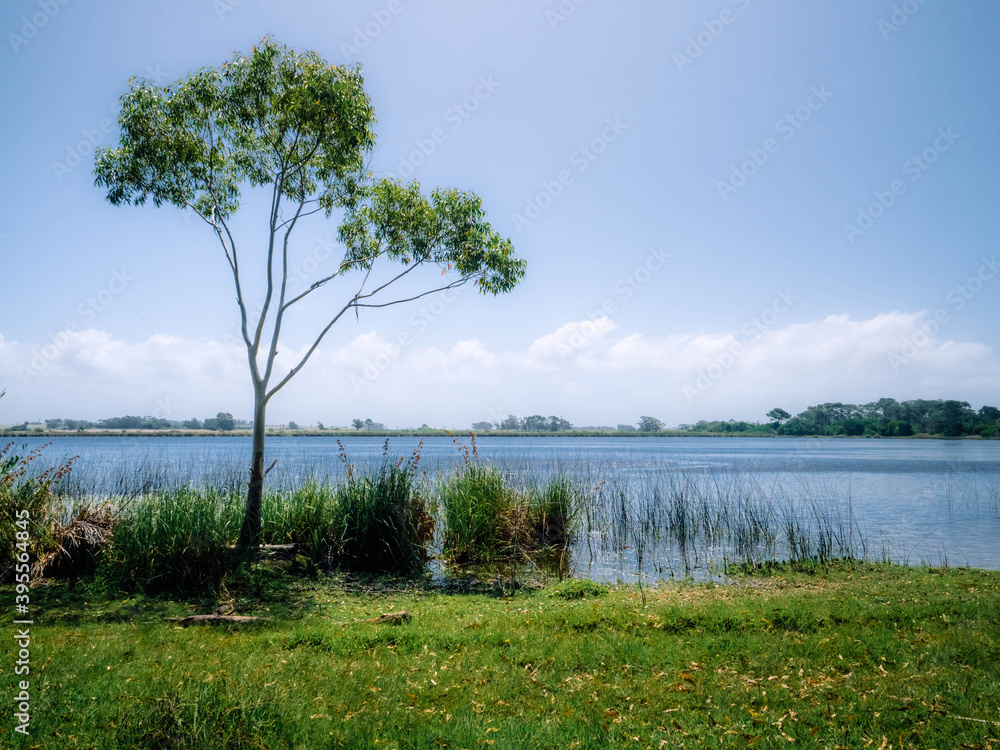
column 587, row 371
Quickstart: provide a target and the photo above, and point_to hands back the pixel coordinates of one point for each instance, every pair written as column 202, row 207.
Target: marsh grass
column 305, row 517
column 30, row 521
column 490, row 515
column 381, row 520
column 178, row 540
column 611, row 522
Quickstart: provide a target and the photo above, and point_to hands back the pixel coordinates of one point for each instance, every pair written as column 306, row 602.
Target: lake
column 658, row 507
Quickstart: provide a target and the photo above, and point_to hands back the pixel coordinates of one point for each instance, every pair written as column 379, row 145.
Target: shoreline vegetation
column 306, row 432
column 885, row 418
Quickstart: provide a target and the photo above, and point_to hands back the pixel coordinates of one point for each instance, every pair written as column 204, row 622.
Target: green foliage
column 305, row 516
column 649, row 424
column 883, row 418
column 553, row 511
column 533, row 423
column 448, row 230
column 489, row 518
column 381, row 522
column 174, row 541
column 779, row 415
column 28, row 505
column 223, row 421
column 479, row 503
column 196, row 141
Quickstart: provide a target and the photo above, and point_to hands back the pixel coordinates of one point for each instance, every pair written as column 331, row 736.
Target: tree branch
column 459, row 282
column 273, row 351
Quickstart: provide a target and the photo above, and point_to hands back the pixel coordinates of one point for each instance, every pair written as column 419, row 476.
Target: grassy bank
column 842, row 656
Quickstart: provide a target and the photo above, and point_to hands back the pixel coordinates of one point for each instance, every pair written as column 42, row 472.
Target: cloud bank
column 588, row 371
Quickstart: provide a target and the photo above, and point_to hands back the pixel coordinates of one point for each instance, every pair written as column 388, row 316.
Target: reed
column 179, row 540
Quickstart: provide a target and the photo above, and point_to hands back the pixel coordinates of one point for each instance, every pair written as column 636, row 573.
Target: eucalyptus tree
column 300, row 130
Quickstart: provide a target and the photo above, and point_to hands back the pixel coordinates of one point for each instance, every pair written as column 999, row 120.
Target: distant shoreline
column 456, row 433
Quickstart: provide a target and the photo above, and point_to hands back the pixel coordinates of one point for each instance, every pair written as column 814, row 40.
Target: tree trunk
column 250, row 534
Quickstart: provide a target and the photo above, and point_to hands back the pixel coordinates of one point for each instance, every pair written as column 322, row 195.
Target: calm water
column 929, row 501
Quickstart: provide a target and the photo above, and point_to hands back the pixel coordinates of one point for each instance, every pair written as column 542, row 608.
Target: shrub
column 482, row 513
column 577, row 589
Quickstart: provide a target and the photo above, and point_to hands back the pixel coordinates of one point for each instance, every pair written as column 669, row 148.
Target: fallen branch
column 393, row 618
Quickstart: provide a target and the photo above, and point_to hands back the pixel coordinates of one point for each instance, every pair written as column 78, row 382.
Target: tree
column 535, row 423
column 650, row 424
column 358, row 424
column 192, row 424
column 510, row 423
column 482, row 426
column 223, row 422
column 778, row 415
column 292, row 426
column 300, row 130
column 319, row 426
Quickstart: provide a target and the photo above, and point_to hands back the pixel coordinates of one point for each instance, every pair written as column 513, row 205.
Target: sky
column 725, row 207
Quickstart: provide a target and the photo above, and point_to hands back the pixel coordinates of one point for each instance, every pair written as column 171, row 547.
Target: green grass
column 845, row 656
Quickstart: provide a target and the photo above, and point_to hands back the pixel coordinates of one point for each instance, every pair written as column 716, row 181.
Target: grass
column 489, row 516
column 178, row 540
column 838, row 655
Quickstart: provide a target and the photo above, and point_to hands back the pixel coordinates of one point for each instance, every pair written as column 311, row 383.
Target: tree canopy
column 292, row 124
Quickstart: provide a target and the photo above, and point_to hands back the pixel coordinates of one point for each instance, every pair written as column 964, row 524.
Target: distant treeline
column 534, row 423
column 222, row 421
column 883, row 418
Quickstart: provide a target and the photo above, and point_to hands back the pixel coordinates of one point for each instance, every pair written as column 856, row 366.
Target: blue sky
column 725, row 207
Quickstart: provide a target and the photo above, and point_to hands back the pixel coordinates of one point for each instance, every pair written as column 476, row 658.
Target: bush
column 480, row 514
column 305, row 517
column 577, row 589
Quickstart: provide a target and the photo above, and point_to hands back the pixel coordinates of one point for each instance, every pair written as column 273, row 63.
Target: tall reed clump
column 488, row 517
column 36, row 529
column 553, row 512
column 306, row 516
column 381, row 520
column 177, row 540
column 479, row 506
